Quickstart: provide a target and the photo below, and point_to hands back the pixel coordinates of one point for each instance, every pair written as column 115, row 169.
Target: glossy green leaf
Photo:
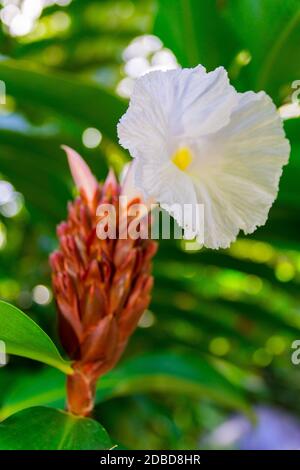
column 176, row 373
column 267, row 29
column 165, row 372
column 196, row 32
column 23, row 337
column 42, row 428
column 289, row 184
column 25, row 389
column 43, row 168
column 80, row 100
column 213, row 33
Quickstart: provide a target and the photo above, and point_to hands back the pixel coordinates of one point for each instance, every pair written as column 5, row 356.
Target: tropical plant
column 217, row 335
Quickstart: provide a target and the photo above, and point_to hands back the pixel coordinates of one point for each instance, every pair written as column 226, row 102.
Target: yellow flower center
column 182, row 158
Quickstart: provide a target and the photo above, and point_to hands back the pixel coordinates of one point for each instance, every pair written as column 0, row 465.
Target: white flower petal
column 181, row 103
column 143, row 127
column 240, row 182
column 169, row 186
column 197, row 141
column 129, row 188
column 207, row 102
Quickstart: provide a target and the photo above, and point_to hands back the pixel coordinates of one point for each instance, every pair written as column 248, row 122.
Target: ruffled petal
column 207, row 102
column 129, row 188
column 175, row 105
column 143, row 128
column 170, row 187
column 239, row 181
column 236, row 142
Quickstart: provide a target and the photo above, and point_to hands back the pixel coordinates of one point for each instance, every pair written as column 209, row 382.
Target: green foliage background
column 219, row 334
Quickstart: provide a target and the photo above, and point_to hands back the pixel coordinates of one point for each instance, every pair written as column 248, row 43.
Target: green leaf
column 23, row 337
column 42, row 428
column 79, row 100
column 213, row 33
column 175, row 373
column 196, row 32
column 289, row 185
column 270, row 31
column 167, row 373
column 24, row 389
column 43, row 168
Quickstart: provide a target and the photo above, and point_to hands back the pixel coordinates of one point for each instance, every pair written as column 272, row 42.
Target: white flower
column 195, row 140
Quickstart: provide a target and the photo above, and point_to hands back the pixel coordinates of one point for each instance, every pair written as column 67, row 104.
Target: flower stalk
column 101, row 286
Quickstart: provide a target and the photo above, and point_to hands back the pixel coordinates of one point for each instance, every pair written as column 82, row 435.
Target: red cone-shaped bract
column 101, row 287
